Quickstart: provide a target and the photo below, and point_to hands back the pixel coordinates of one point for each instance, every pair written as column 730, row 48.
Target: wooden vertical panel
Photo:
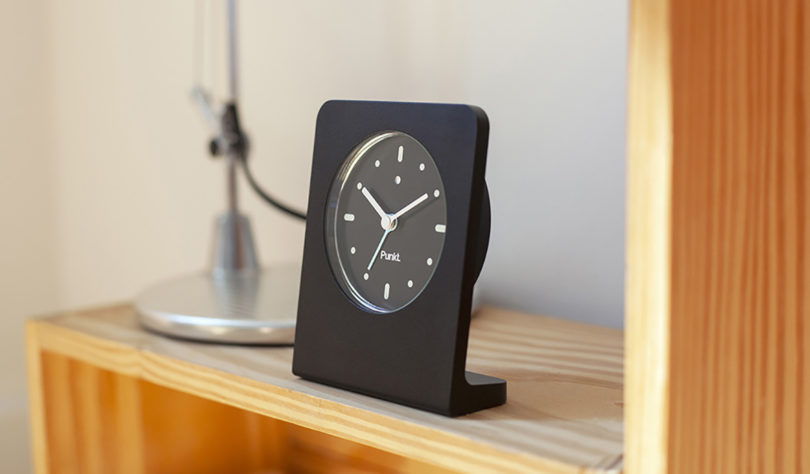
column 736, row 365
column 36, row 401
column 85, row 395
column 185, row 433
column 266, row 440
column 646, row 390
column 123, row 434
column 738, row 236
column 311, row 451
column 63, row 449
column 802, row 175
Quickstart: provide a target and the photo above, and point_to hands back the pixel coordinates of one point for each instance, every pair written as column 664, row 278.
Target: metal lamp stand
column 234, row 301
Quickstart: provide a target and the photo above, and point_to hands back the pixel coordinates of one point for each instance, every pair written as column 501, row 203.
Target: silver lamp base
column 238, row 308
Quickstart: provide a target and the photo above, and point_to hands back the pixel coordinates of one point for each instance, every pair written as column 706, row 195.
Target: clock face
column 386, row 222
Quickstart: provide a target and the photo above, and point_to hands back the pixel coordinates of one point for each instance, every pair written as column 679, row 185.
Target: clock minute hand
column 410, row 206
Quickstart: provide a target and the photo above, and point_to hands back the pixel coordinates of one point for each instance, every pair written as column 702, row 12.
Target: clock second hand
column 376, row 252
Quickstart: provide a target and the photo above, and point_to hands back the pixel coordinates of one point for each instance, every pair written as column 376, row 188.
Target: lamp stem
column 233, row 53
column 233, row 92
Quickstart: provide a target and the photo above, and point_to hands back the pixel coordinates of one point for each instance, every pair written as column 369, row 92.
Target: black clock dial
column 386, row 222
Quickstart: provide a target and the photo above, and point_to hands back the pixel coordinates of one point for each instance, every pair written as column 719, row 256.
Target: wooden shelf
column 564, row 410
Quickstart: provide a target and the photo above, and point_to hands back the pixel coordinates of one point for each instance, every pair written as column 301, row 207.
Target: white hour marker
column 397, row 180
column 359, row 185
column 440, row 228
column 436, row 193
column 399, row 153
column 348, row 217
column 352, row 250
column 365, row 276
column 430, row 261
column 410, row 283
column 377, row 163
column 421, row 167
column 387, row 290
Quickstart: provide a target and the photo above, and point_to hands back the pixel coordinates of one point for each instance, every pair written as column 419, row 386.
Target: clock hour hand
column 410, row 206
column 377, row 252
column 374, row 203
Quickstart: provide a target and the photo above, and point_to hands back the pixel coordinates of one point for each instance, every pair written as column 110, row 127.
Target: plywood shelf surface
column 564, row 411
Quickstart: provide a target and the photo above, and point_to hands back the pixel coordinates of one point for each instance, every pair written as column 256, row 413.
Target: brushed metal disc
column 250, row 308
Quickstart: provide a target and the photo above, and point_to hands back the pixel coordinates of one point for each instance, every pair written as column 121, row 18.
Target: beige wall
column 131, row 146
column 29, row 280
column 107, row 188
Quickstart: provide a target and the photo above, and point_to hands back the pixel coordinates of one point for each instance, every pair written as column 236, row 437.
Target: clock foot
column 479, row 392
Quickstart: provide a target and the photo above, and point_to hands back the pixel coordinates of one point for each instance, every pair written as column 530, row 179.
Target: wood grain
column 648, row 238
column 733, row 85
column 563, row 414
column 162, row 430
column 36, row 402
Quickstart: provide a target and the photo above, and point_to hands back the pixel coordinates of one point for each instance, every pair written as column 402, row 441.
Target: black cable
column 230, row 121
column 270, row 200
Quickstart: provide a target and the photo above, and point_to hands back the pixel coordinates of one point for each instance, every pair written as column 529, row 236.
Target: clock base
column 481, row 391
column 475, row 392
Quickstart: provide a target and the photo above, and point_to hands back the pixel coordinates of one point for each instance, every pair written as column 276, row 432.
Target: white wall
column 107, row 187
column 552, row 77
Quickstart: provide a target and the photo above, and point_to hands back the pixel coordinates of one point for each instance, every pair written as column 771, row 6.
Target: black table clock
column 397, row 231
